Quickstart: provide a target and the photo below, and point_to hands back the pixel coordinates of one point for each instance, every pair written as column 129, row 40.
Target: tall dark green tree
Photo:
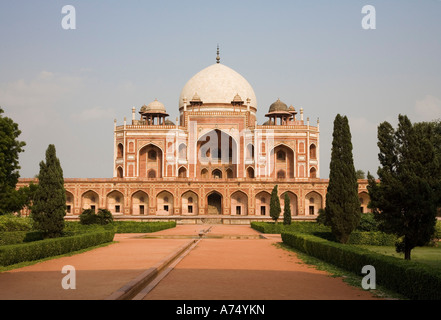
column 49, row 207
column 286, row 210
column 342, row 202
column 406, row 197
column 275, row 209
column 10, row 148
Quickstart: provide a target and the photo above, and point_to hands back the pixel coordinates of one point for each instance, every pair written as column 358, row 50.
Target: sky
column 66, row 87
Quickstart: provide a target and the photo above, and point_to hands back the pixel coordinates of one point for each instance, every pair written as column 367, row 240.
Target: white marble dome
column 218, row 84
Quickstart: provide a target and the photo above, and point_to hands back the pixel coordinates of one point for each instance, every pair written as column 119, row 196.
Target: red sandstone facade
column 216, row 162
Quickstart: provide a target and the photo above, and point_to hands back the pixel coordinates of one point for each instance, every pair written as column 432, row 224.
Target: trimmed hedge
column 13, row 254
column 373, row 238
column 15, row 237
column 411, row 279
column 142, row 227
column 297, row 226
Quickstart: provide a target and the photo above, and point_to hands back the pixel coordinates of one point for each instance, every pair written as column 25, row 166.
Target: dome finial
column 218, row 57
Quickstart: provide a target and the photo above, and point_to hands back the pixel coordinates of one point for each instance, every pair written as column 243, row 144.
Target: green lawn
column 427, row 255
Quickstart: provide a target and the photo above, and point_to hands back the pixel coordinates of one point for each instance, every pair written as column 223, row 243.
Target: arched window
column 217, row 174
column 120, row 150
column 204, row 173
column 250, row 173
column 120, row 172
column 313, row 151
column 230, row 174
column 182, row 173
column 313, row 173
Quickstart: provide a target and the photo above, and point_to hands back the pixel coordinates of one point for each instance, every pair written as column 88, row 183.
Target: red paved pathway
column 215, row 269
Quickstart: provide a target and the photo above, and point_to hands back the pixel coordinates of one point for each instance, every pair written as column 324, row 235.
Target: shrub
column 297, row 226
column 74, row 228
column 15, row 237
column 373, row 238
column 412, row 279
column 13, row 254
column 104, row 217
column 89, row 217
column 368, row 222
column 142, row 227
column 13, row 223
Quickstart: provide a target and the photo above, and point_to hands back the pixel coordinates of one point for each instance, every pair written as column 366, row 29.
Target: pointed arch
column 262, row 201
column 214, row 203
column 313, row 173
column 120, row 150
column 119, row 172
column 70, row 201
column 364, row 202
column 313, row 151
column 218, row 147
column 216, row 174
column 313, row 203
column 150, row 157
column 164, row 203
column 115, row 202
column 90, row 200
column 140, row 203
column 182, row 172
column 282, row 159
column 190, row 203
column 292, row 200
column 250, row 173
column 239, row 203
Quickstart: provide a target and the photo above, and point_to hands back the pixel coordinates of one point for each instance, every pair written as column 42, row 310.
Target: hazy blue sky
column 67, row 86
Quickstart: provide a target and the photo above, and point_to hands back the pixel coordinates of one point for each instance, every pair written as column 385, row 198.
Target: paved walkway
column 240, row 266
column 248, row 269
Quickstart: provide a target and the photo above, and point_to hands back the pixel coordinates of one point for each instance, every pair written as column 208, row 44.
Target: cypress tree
column 49, row 206
column 286, row 210
column 275, row 205
column 342, row 202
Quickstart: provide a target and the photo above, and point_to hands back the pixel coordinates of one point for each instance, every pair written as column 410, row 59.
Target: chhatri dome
column 218, row 84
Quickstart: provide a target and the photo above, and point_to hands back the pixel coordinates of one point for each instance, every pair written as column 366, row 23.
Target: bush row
column 13, row 254
column 409, row 278
column 74, row 227
column 373, row 238
column 142, row 227
column 298, row 226
column 15, row 237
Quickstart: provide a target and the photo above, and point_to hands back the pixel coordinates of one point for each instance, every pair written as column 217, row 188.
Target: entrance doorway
column 214, row 204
